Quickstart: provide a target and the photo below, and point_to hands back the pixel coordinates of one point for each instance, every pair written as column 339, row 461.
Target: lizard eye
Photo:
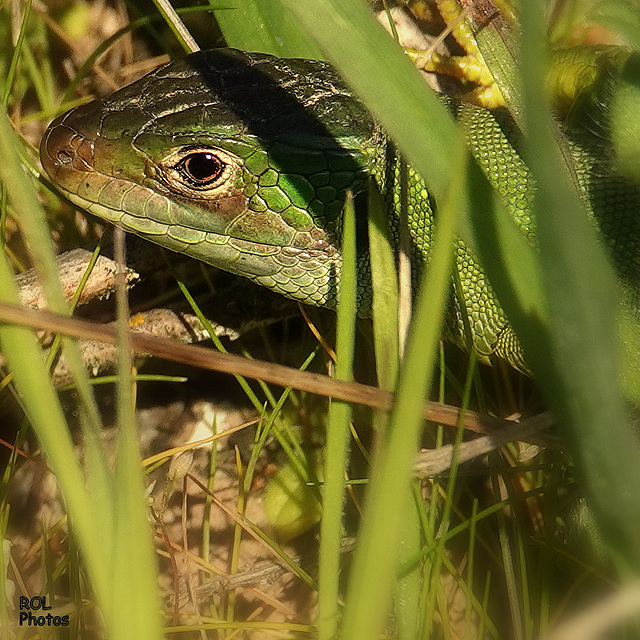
column 201, row 169
column 196, row 171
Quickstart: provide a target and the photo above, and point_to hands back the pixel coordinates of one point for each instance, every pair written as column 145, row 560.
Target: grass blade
column 337, row 444
column 579, row 373
column 389, row 490
column 265, row 27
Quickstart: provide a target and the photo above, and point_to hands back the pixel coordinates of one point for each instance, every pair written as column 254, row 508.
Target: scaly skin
column 243, row 161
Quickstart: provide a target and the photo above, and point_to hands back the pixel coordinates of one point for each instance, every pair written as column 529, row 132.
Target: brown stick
column 212, row 360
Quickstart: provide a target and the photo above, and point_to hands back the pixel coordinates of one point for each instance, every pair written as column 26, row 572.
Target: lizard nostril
column 64, row 156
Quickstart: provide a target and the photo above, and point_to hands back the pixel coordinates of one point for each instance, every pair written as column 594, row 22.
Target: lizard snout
column 67, row 146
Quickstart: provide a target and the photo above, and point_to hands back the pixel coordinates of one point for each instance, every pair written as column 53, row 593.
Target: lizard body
column 244, row 161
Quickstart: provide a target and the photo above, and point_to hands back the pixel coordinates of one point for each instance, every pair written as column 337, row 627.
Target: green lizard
column 244, row 161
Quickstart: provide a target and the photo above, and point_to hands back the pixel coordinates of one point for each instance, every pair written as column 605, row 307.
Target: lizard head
column 240, row 160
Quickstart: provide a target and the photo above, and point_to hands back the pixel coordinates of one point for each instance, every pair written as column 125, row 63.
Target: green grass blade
column 266, row 27
column 135, row 596
column 621, row 16
column 16, row 55
column 337, row 445
column 625, row 124
column 91, row 507
column 513, row 267
column 376, row 556
column 495, row 38
column 384, row 281
column 27, row 363
column 33, row 224
column 579, row 373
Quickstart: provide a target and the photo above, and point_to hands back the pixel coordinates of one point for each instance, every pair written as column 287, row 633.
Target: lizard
column 244, row 161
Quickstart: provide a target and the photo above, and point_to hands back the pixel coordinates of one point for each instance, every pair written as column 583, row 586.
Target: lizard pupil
column 202, row 168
